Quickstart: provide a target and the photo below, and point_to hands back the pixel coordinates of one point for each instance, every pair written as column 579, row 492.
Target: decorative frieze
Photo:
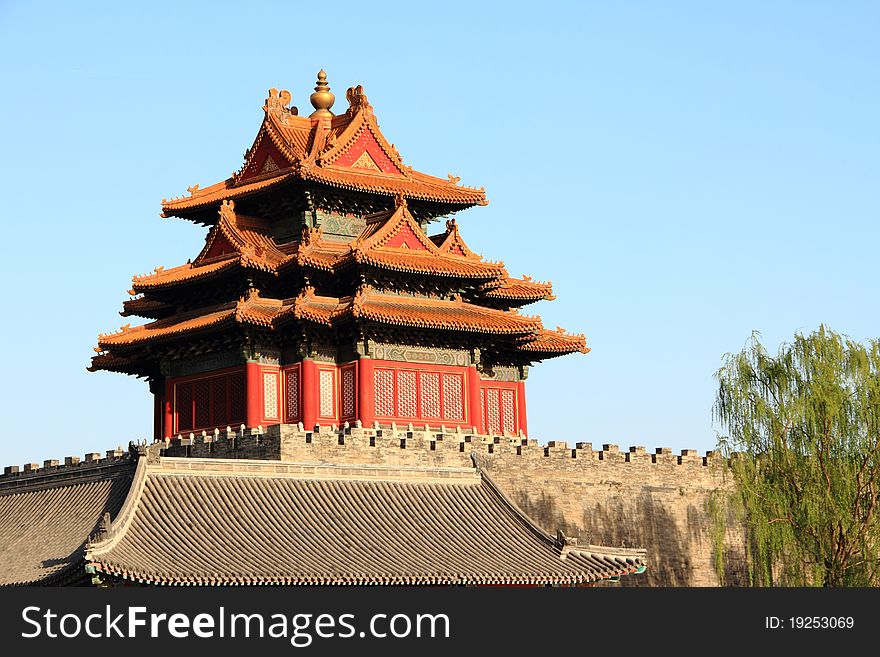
column 338, row 227
column 204, row 363
column 267, row 356
column 501, row 373
column 407, row 354
column 324, row 353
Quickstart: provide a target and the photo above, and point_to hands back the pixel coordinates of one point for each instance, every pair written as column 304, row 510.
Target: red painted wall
column 367, row 390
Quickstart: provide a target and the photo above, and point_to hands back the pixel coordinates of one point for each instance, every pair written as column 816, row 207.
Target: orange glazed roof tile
column 416, row 253
column 556, row 342
column 413, row 312
column 253, row 311
column 183, row 274
column 248, row 236
column 225, row 189
column 188, row 322
column 113, row 363
column 146, row 307
column 524, row 289
column 454, row 315
column 318, row 150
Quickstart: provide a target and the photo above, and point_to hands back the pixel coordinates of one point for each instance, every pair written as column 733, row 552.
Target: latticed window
column 326, row 390
column 270, row 395
column 291, row 389
column 348, row 392
column 215, row 401
column 202, row 403
column 493, row 411
column 220, row 397
column 384, row 392
column 418, row 395
column 507, row 412
column 237, row 399
column 429, row 385
column 406, row 394
column 453, row 397
column 499, row 410
column 184, row 407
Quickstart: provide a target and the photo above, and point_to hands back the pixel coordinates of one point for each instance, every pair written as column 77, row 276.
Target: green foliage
column 807, row 422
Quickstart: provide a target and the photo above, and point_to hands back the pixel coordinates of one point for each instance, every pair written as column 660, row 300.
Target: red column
column 309, row 394
column 365, row 406
column 169, row 409
column 253, row 395
column 521, row 406
column 475, row 417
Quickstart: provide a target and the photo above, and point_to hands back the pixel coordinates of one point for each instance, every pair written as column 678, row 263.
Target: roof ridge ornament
column 357, row 101
column 276, row 105
column 227, row 210
column 322, row 100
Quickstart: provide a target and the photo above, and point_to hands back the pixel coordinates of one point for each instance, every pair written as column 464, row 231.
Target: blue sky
column 684, row 172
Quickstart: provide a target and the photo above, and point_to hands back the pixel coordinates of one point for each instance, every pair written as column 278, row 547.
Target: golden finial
column 322, row 100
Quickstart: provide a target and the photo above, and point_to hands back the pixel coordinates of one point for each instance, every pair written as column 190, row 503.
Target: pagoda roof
column 394, row 240
column 437, row 314
column 249, row 237
column 346, row 152
column 235, row 241
column 253, row 310
column 437, row 526
column 162, row 278
column 367, row 304
column 412, row 312
column 519, row 290
column 146, row 307
column 555, row 343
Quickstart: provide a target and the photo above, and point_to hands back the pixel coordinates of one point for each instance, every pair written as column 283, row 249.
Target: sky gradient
column 684, row 172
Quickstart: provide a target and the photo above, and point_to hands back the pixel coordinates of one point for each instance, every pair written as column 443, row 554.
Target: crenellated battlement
column 346, row 443
column 72, row 471
column 343, row 443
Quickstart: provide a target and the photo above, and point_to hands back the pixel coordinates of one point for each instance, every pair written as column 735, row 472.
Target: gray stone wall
column 659, row 501
column 630, row 499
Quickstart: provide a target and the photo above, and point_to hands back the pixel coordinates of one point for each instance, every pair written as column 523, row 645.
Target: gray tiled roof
column 215, row 521
column 46, row 518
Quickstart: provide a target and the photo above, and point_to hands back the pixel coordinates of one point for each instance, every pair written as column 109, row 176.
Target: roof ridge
column 107, row 539
column 307, row 469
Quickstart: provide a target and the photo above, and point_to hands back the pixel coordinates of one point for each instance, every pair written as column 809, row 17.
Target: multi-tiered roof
column 321, row 237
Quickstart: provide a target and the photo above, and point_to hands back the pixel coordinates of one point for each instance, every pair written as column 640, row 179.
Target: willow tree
column 807, row 424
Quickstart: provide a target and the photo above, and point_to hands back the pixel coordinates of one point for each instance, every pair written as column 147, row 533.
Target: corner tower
column 321, row 297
